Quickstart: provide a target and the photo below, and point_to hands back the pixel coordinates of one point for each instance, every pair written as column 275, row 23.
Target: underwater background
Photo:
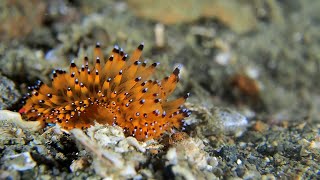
column 251, row 67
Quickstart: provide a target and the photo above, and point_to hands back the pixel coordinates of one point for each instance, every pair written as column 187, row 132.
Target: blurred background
column 259, row 58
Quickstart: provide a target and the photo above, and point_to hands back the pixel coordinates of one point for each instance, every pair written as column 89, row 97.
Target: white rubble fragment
column 20, row 162
column 233, row 123
column 184, row 172
column 223, row 58
column 15, row 118
column 114, row 160
column 134, row 142
column 315, row 144
column 172, row 156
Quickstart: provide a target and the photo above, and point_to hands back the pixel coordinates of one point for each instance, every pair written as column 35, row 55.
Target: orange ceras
column 117, row 91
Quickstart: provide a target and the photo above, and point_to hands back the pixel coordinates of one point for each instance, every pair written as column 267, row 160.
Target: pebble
column 19, row 162
column 233, row 123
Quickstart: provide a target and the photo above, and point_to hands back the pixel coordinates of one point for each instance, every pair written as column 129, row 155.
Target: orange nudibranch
column 115, row 90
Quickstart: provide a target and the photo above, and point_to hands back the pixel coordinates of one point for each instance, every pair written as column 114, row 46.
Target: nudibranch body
column 116, row 90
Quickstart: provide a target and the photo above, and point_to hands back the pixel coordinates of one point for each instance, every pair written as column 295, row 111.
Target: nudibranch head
column 116, row 90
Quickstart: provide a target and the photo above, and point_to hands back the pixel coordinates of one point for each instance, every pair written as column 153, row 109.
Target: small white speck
column 223, row 58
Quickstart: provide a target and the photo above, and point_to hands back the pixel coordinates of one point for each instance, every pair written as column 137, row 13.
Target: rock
column 19, row 162
column 9, row 93
column 15, row 118
column 221, row 121
column 110, row 159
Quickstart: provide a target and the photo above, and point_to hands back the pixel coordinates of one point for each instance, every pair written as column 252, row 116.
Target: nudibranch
column 116, row 90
